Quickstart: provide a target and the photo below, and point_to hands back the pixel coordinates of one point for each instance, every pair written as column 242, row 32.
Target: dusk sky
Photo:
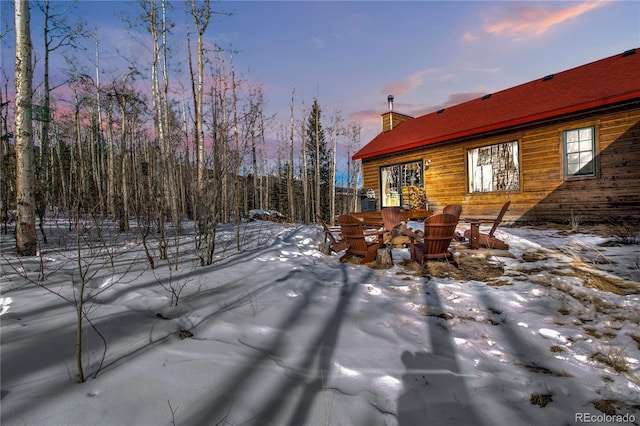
column 351, row 55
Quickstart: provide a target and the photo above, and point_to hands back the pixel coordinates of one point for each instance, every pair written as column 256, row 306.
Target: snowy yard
column 547, row 333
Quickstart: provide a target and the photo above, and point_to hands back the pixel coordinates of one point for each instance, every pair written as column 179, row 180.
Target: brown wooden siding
column 545, row 194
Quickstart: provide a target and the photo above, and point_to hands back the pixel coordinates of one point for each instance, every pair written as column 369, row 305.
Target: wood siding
column 545, row 194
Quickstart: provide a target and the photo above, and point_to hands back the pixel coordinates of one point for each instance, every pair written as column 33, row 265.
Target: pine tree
column 318, row 162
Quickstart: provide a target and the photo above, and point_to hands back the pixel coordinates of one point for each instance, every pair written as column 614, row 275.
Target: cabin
column 563, row 146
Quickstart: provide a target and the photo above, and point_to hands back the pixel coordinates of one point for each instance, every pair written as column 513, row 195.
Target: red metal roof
column 607, row 81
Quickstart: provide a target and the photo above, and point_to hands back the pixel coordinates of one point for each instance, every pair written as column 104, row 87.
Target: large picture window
column 397, row 180
column 579, row 152
column 494, row 168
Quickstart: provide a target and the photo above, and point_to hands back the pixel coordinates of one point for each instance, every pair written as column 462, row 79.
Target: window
column 579, row 152
column 494, row 168
column 397, row 181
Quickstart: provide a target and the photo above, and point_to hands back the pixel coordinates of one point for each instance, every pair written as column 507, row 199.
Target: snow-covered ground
column 280, row 334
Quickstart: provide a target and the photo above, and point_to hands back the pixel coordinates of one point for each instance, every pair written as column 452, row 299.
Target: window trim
column 565, row 153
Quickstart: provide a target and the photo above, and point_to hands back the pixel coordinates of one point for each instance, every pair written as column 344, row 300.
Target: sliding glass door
column 397, row 182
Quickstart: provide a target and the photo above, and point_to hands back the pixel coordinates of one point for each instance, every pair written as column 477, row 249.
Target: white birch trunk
column 26, row 238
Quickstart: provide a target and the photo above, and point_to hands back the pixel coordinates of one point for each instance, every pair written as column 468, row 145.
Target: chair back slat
column 499, row 218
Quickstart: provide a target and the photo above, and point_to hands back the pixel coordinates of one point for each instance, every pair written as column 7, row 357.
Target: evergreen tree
column 318, row 162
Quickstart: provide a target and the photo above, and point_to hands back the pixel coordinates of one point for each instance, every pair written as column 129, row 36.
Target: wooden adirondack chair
column 454, row 209
column 336, row 243
column 393, row 224
column 391, row 218
column 439, row 230
column 477, row 239
column 353, row 233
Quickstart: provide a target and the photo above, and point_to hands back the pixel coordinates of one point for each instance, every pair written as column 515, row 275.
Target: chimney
column 391, row 119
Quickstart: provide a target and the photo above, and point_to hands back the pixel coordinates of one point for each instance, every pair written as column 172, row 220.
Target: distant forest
column 150, row 148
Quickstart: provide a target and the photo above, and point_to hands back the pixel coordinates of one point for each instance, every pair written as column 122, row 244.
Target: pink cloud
column 411, row 82
column 470, row 37
column 458, row 98
column 522, row 23
column 452, row 100
column 366, row 116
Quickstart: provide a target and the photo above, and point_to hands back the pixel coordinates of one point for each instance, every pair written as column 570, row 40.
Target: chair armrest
column 410, row 233
column 477, row 220
column 378, row 233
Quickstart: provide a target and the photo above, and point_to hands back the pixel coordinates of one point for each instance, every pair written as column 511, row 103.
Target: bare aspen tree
column 41, row 203
column 353, row 167
column 290, row 193
column 26, row 239
column 122, row 97
column 89, row 136
column 4, row 161
column 81, row 183
column 226, row 210
column 109, row 173
column 211, row 203
column 255, row 107
column 305, row 176
column 262, row 167
column 169, row 156
column 104, row 176
column 263, row 155
column 237, row 159
column 112, row 181
column 158, row 120
column 57, row 34
column 218, row 148
column 316, row 124
column 208, row 203
column 158, row 28
column 61, row 175
column 193, row 191
column 201, row 17
column 185, row 160
column 334, row 131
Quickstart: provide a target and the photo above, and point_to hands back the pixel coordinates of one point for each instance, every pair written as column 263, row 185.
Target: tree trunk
column 43, row 170
column 236, row 168
column 102, row 185
column 305, row 176
column 335, row 132
column 26, row 238
column 384, row 259
column 316, row 123
column 290, row 193
column 111, row 174
column 124, row 218
column 4, row 159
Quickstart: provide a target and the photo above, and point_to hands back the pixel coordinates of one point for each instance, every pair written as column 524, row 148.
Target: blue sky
column 426, row 53
column 351, row 55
